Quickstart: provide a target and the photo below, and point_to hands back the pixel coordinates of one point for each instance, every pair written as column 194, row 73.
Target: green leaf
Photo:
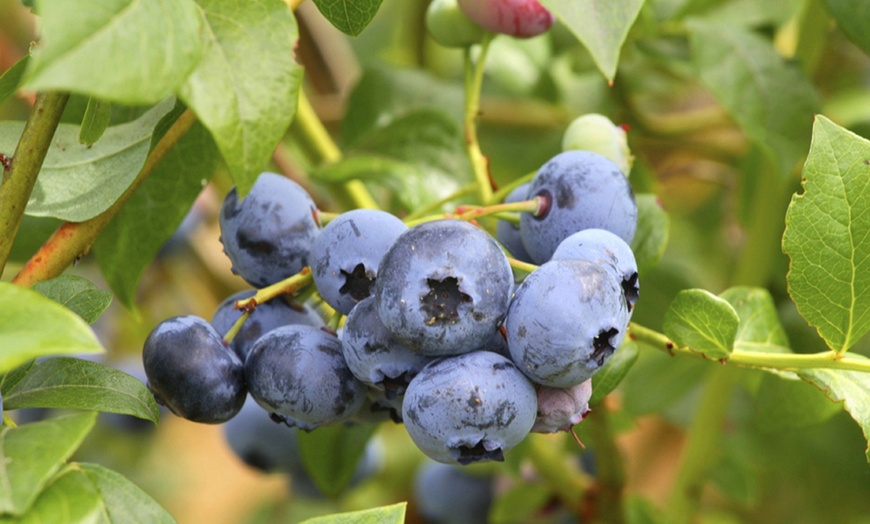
column 72, row 383
column 12, row 377
column 125, row 51
column 851, row 17
column 331, row 454
column 78, row 182
column 32, row 453
column 702, row 321
column 246, row 87
column 349, row 16
column 394, row 514
column 607, row 378
column 419, row 155
column 826, row 234
column 770, row 99
column 653, row 230
column 601, row 26
column 11, row 78
column 33, row 326
column 759, row 328
column 124, row 501
column 98, row 114
column 149, row 218
column 77, row 294
column 852, row 388
column 69, row 497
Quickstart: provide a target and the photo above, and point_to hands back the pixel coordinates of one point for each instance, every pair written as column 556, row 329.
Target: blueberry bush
column 385, row 261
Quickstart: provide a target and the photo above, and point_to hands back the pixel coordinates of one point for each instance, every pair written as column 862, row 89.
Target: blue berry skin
column 374, row 356
column 469, row 408
column 192, row 372
column 565, row 321
column 268, row 234
column 580, row 190
column 604, row 248
column 346, row 254
column 267, row 316
column 445, row 494
column 443, row 287
column 298, row 373
column 508, row 234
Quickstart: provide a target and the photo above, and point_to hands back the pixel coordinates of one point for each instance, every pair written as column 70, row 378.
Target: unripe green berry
column 449, row 26
column 597, row 133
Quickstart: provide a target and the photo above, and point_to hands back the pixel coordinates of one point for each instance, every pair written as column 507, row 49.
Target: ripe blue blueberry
column 579, row 190
column 268, row 234
column 606, row 249
column 280, row 311
column 346, row 254
column 374, row 356
column 192, row 372
column 469, row 408
column 565, row 321
column 447, row 494
column 509, row 234
column 443, row 287
column 298, row 374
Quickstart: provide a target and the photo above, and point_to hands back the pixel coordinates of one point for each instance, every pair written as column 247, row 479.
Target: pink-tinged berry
column 519, row 18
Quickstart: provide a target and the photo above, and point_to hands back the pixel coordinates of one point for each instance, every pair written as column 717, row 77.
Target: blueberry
column 469, row 408
column 346, row 254
column 298, row 374
column 192, row 372
column 509, row 234
column 446, row 494
column 565, row 321
column 518, row 18
column 580, row 190
column 606, row 249
column 374, row 356
column 443, row 287
column 561, row 408
column 280, row 311
column 268, row 234
column 597, row 133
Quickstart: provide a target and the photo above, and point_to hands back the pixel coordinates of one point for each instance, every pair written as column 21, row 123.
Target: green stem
column 755, row 359
column 435, row 206
column 72, row 240
column 314, row 137
column 503, row 192
column 562, row 475
column 20, row 177
column 610, row 468
column 704, row 446
column 473, row 82
column 237, row 326
column 288, row 286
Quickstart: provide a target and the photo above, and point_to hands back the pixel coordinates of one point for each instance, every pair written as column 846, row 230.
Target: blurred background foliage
column 788, row 454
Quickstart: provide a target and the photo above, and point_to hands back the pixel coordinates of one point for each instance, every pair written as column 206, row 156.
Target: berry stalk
column 473, row 83
column 288, row 286
column 19, row 174
column 73, row 240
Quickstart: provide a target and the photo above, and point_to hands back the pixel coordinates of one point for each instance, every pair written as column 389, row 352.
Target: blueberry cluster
column 426, row 325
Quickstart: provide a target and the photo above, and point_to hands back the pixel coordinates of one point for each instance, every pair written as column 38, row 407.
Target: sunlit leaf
column 702, row 321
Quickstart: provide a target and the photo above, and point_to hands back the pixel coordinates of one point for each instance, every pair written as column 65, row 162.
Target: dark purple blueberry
column 346, row 254
column 469, row 408
column 298, row 374
column 268, row 234
column 447, row 494
column 443, row 287
column 580, row 190
column 565, row 321
column 192, row 372
column 280, row 311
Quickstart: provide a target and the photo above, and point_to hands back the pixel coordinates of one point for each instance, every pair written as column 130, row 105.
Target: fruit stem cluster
column 473, row 82
column 288, row 286
column 20, row 175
